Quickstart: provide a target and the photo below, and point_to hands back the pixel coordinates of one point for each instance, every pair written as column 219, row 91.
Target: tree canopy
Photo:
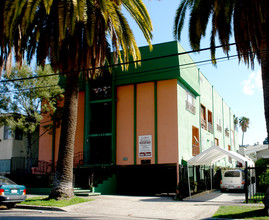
column 24, row 92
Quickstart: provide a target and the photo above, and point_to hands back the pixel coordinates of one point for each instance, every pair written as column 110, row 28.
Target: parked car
column 232, row 180
column 11, row 193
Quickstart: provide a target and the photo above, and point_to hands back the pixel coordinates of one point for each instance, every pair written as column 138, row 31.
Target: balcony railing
column 190, row 107
column 210, row 127
column 219, row 128
column 203, row 124
column 195, row 150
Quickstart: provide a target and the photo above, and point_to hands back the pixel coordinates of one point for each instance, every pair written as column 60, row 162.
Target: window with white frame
column 7, row 132
column 190, row 103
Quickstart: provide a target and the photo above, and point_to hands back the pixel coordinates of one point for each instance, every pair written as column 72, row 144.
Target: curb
column 42, row 208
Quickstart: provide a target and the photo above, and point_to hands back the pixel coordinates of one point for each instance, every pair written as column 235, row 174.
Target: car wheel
column 11, row 205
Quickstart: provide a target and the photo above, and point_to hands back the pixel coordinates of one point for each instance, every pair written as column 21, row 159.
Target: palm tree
column 249, row 21
column 73, row 35
column 235, row 121
column 244, row 124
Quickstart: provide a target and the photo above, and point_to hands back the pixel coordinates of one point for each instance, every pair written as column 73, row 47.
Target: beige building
column 13, row 149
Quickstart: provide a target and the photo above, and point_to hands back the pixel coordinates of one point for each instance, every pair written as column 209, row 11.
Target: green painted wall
column 162, row 63
column 186, row 120
column 207, row 138
column 189, row 74
column 221, row 113
column 157, row 64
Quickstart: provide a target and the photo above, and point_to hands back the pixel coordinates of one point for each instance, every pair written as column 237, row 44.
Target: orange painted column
column 145, row 119
column 167, row 108
column 167, row 122
column 125, row 125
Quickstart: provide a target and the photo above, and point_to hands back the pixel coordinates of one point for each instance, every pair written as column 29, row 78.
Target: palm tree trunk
column 243, row 137
column 265, row 82
column 63, row 180
column 265, row 79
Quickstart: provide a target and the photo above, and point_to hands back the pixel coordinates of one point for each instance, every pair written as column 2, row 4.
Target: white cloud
column 259, row 79
column 253, row 83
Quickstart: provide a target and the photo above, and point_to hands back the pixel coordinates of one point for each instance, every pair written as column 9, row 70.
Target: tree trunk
column 265, row 82
column 243, row 138
column 29, row 153
column 63, row 180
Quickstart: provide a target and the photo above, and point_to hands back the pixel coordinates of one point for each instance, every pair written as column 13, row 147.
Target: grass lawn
column 44, row 201
column 241, row 212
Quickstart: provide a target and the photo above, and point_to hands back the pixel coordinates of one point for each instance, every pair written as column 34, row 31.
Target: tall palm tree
column 244, row 124
column 235, row 121
column 73, row 35
column 249, row 21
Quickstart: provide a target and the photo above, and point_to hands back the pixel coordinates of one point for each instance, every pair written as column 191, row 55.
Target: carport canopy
column 215, row 153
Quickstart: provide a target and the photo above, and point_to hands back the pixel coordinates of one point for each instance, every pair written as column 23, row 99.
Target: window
column 195, row 141
column 101, row 88
column 216, row 142
column 210, row 121
column 227, row 134
column 18, row 134
column 203, row 117
column 101, row 120
column 190, row 104
column 219, row 128
column 232, row 173
column 7, row 133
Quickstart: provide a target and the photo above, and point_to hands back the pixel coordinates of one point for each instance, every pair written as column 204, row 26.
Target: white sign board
column 145, row 146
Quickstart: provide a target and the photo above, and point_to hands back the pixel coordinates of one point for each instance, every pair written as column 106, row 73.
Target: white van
column 232, row 179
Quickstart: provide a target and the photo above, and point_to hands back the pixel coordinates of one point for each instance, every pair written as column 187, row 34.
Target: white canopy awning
column 215, row 153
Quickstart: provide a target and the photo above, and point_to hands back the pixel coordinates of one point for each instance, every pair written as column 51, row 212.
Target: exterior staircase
column 85, row 192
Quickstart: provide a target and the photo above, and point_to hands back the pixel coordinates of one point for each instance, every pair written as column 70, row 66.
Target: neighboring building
column 255, row 152
column 13, row 149
column 135, row 128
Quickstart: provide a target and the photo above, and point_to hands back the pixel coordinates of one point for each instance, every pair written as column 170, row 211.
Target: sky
column 239, row 85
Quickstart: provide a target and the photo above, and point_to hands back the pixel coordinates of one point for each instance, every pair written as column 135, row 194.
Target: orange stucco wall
column 45, row 141
column 145, row 116
column 125, row 125
column 167, row 121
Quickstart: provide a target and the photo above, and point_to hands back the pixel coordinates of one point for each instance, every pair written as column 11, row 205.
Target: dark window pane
column 101, row 88
column 232, row 174
column 100, row 150
column 18, row 134
column 101, row 118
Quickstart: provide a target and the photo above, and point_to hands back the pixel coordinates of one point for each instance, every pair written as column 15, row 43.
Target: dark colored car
column 11, row 193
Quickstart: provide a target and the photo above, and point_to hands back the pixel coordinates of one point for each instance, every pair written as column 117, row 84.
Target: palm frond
column 138, row 11
column 179, row 19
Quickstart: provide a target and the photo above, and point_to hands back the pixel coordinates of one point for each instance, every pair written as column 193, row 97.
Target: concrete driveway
column 122, row 207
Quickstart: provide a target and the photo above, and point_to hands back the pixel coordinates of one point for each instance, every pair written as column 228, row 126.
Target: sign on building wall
column 145, row 146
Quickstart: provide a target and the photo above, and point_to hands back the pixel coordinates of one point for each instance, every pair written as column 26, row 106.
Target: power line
column 124, row 63
column 135, row 74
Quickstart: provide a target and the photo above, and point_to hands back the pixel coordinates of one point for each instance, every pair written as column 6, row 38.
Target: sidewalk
column 198, row 207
